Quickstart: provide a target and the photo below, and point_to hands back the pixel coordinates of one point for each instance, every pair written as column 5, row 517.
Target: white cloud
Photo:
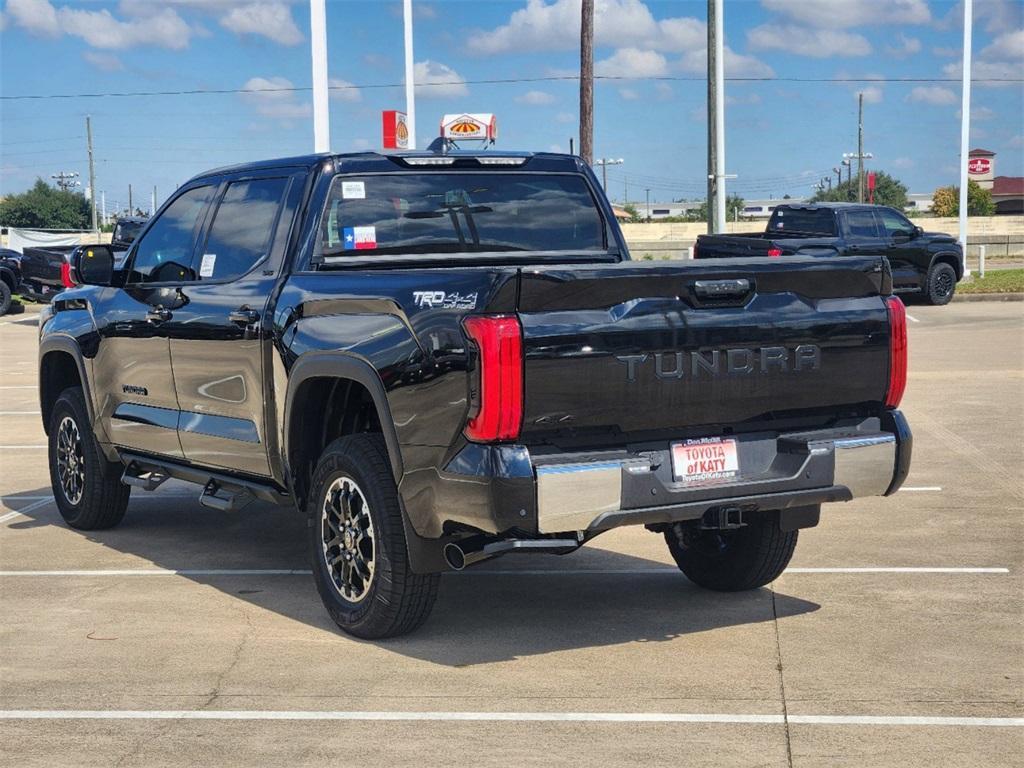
column 1009, row 45
column 271, row 98
column 436, row 81
column 100, row 29
column 932, row 94
column 271, row 20
column 903, row 163
column 628, row 94
column 946, row 52
column 872, row 94
column 105, row 62
column 904, row 47
column 632, row 62
column 565, row 117
column 343, row 90
column 832, row 14
column 36, row 16
column 988, row 74
column 804, row 41
column 535, row 98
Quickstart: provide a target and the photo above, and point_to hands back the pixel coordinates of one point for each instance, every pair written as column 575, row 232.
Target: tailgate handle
column 711, row 289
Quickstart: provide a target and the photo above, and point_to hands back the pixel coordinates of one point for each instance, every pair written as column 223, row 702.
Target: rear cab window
column 809, row 221
column 456, row 212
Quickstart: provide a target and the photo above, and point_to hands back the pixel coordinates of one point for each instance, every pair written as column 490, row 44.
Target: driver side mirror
column 918, row 231
column 93, row 264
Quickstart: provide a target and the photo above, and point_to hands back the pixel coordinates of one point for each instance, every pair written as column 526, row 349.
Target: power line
column 503, row 81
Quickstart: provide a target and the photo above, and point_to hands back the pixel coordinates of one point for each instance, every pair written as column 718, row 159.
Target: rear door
column 863, row 234
column 900, row 248
column 132, row 366
column 219, row 338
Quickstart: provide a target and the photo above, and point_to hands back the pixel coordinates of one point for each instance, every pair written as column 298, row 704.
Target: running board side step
column 226, row 493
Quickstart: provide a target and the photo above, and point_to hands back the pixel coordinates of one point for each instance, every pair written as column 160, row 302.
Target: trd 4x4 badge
column 442, row 300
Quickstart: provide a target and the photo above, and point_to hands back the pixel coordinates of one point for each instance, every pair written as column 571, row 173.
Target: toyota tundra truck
column 441, row 358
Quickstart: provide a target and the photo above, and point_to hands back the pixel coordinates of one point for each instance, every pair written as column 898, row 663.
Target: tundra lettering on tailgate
column 728, row 362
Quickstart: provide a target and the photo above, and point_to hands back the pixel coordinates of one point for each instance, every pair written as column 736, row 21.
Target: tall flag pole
column 318, row 46
column 410, row 70
column 965, row 128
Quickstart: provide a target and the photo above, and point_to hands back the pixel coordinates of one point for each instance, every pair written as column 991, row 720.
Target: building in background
column 1007, row 191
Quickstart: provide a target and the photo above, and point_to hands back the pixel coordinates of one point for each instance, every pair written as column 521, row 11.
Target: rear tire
column 5, row 298
column 86, row 487
column 941, row 284
column 357, row 543
column 732, row 561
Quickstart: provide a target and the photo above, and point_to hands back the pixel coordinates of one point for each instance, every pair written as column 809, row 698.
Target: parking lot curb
column 988, row 297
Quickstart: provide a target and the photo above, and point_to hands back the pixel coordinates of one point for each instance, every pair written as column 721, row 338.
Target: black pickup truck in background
column 443, row 358
column 922, row 262
column 46, row 272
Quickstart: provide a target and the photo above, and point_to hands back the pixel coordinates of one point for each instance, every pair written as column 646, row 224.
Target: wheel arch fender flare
column 7, row 276
column 342, row 365
column 948, row 257
column 62, row 345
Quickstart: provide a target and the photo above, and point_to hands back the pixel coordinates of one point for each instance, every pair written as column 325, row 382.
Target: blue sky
column 783, row 132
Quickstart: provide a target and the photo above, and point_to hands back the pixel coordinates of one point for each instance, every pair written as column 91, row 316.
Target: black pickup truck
column 929, row 263
column 442, row 358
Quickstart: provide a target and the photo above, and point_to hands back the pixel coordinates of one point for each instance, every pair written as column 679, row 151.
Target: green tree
column 43, row 207
column 733, row 203
column 634, row 214
column 946, row 201
column 888, row 191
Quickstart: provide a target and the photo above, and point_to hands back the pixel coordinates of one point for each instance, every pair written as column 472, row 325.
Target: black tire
column 5, row 298
column 354, row 475
column 100, row 500
column 941, row 284
column 733, row 561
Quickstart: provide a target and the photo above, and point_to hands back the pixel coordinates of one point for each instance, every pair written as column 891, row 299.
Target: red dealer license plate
column 707, row 460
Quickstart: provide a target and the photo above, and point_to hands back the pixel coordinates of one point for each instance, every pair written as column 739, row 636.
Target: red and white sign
column 979, row 166
column 707, row 460
column 396, row 130
column 476, row 126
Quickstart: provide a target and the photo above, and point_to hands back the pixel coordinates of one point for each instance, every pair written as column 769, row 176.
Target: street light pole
column 410, row 72
column 318, row 49
column 965, row 127
column 648, row 204
column 604, row 162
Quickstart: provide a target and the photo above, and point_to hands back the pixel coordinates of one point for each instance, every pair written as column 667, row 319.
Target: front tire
column 86, row 487
column 732, row 561
column 357, row 543
column 941, row 284
column 5, row 298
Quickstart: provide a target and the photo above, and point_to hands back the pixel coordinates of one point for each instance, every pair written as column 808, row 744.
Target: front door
column 138, row 405
column 900, row 248
column 219, row 348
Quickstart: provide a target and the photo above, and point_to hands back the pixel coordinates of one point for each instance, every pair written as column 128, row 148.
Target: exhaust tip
column 454, row 556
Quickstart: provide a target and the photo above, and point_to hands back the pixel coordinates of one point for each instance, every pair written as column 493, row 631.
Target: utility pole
column 152, row 203
column 838, row 171
column 92, row 173
column 587, row 82
column 604, row 162
column 318, row 49
column 965, row 127
column 648, row 191
column 131, row 210
column 625, row 190
column 410, row 72
column 716, row 118
column 66, row 180
column 103, row 202
column 860, row 147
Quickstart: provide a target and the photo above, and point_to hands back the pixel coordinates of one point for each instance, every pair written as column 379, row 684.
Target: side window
column 861, row 224
column 240, row 234
column 164, row 255
column 893, row 223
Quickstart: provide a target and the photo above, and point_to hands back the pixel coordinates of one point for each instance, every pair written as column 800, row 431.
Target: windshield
column 460, row 213
column 817, row 221
column 127, row 231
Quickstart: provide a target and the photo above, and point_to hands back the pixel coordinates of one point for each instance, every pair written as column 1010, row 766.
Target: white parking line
column 516, row 717
column 20, row 413
column 26, row 510
column 118, row 572
column 913, row 319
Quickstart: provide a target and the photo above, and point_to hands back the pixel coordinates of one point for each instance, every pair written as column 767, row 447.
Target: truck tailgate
column 683, row 348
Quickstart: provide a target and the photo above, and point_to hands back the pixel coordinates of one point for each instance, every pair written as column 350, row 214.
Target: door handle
column 158, row 315
column 244, row 316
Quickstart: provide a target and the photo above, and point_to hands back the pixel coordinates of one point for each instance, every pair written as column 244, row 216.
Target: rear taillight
column 774, row 252
column 897, row 351
column 499, row 400
column 65, row 276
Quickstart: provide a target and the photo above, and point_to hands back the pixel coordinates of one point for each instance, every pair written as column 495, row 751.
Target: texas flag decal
column 359, row 238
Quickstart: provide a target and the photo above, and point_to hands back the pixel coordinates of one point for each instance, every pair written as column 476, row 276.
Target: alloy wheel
column 349, row 548
column 70, row 460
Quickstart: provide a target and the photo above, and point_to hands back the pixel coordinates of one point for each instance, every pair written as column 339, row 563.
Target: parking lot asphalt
column 193, row 637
